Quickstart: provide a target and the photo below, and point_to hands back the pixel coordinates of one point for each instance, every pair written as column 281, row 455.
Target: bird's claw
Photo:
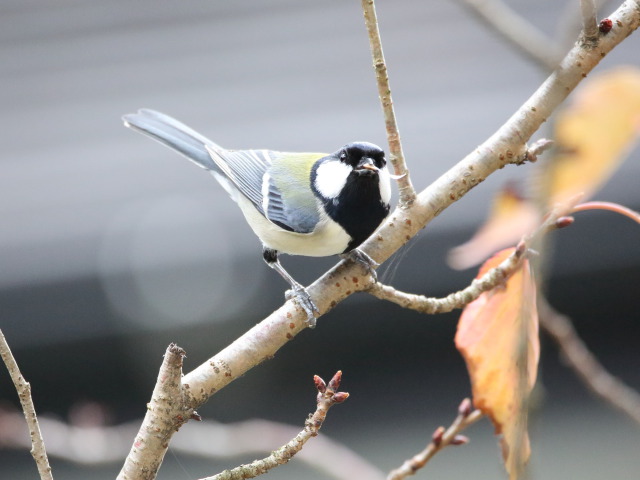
column 365, row 261
column 304, row 300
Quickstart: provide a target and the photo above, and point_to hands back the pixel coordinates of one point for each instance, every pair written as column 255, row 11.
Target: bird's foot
column 364, row 260
column 298, row 293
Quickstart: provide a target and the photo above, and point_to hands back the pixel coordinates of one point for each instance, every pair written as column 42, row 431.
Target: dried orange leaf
column 510, row 218
column 595, row 133
column 498, row 338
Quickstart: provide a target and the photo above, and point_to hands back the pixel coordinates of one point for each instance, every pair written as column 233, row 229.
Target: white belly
column 327, row 239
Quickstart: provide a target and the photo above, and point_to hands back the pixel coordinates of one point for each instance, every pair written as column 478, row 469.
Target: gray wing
column 247, row 169
column 261, row 178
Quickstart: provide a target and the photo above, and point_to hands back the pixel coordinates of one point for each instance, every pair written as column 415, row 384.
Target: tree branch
column 589, row 22
column 38, row 451
column 585, row 363
column 517, row 31
column 406, row 190
column 430, row 305
column 441, row 438
column 327, row 397
column 491, row 279
column 506, row 146
column 166, row 413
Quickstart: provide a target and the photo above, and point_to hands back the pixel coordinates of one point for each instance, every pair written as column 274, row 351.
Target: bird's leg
column 364, row 260
column 297, row 291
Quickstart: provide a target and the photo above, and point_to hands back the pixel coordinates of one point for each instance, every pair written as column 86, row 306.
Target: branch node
column 590, row 30
column 536, row 149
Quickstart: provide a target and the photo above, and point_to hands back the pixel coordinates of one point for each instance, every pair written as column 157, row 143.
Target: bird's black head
column 365, row 158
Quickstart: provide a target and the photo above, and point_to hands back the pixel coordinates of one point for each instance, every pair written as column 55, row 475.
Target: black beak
column 366, row 167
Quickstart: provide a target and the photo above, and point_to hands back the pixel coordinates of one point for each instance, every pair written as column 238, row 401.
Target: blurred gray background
column 112, row 246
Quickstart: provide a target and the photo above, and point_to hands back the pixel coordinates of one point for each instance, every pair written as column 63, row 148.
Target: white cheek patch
column 385, row 185
column 331, row 177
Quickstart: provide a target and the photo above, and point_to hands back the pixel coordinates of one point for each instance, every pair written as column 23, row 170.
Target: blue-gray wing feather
column 279, row 190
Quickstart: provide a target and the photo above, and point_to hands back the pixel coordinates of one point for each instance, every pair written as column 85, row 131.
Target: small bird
column 311, row 204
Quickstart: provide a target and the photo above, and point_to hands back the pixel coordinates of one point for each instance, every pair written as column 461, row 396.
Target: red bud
column 465, row 408
column 563, row 222
column 340, row 397
column 460, row 440
column 605, row 26
column 436, row 437
column 320, row 385
column 334, row 383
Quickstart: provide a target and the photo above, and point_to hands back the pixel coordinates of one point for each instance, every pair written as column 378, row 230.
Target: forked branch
column 327, row 397
column 440, row 439
column 493, row 278
column 166, row 413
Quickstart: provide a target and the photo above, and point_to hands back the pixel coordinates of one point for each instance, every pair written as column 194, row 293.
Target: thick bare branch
column 166, row 413
column 406, row 190
column 38, row 450
column 441, row 438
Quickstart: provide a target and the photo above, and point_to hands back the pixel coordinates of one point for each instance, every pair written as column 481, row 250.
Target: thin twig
column 517, row 31
column 38, row 450
column 612, row 207
column 491, row 279
column 441, row 438
column 585, row 363
column 327, row 397
column 405, row 188
column 430, row 305
column 517, row 448
column 589, row 22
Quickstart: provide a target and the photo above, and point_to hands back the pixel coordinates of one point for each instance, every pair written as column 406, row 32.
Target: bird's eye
column 343, row 156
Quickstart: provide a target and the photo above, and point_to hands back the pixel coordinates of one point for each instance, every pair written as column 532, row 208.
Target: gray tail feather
column 174, row 134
